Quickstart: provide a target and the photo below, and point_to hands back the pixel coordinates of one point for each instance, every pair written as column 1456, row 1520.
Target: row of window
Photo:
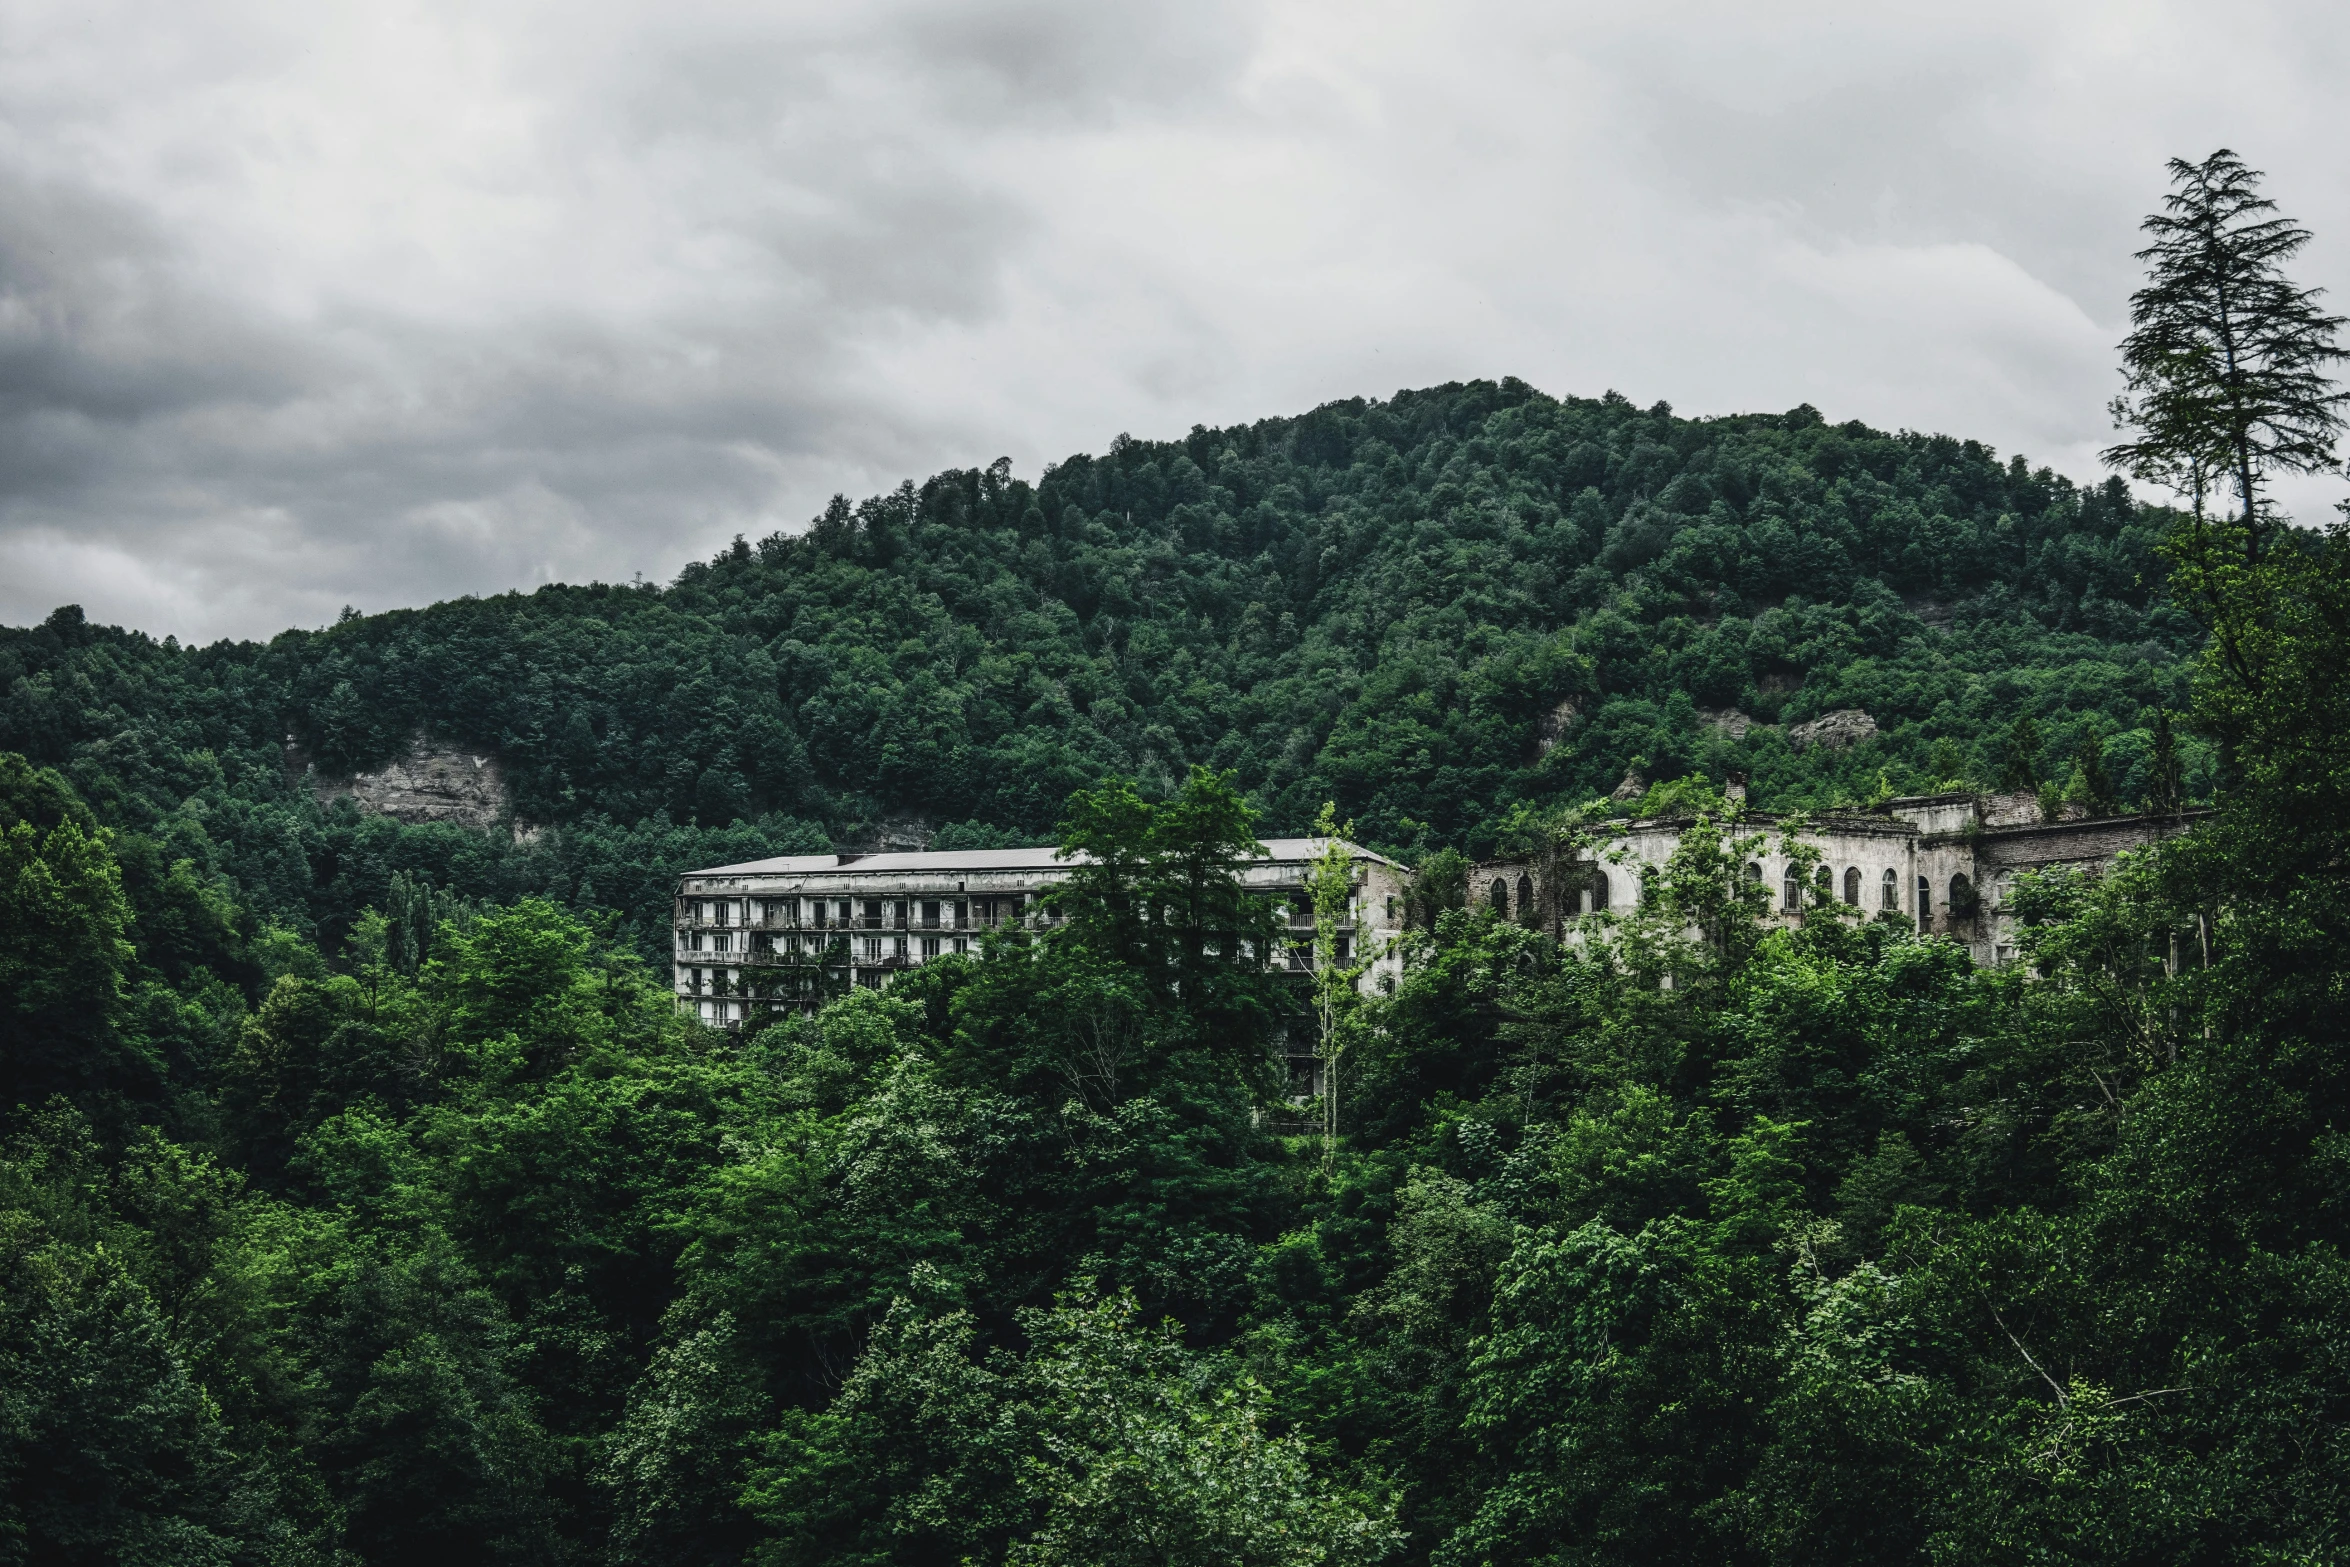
column 1301, row 954
column 1824, row 883
column 869, row 959
column 857, row 913
column 867, row 949
column 1592, row 898
column 899, row 949
column 884, row 949
column 940, row 913
column 1589, row 897
column 1888, row 891
column 724, row 942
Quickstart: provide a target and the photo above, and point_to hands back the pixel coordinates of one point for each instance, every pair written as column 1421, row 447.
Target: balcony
column 892, row 918
column 843, row 949
column 827, row 952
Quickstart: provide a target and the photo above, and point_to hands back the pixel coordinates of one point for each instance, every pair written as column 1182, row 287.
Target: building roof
column 944, row 861
column 894, row 863
column 1307, row 848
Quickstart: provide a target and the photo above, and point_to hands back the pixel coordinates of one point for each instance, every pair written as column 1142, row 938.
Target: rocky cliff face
column 1833, row 731
column 1552, row 727
column 428, row 782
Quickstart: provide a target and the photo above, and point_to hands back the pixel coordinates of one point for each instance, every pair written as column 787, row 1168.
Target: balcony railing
column 829, row 953
column 841, row 956
column 856, row 922
column 844, row 948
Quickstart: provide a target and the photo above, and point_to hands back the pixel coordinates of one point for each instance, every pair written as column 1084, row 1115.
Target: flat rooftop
column 944, row 862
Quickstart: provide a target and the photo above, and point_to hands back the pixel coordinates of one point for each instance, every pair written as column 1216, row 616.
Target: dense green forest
column 459, row 1243
column 1427, row 609
column 366, row 1200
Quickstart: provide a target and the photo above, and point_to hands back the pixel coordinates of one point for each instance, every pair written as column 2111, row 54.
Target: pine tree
column 408, row 927
column 1948, row 764
column 2091, row 786
column 2225, row 364
column 2019, row 757
column 2166, row 792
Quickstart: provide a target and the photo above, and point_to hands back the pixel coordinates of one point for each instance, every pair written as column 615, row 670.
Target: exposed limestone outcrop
column 1847, row 726
column 426, row 782
column 1552, row 726
column 900, row 834
column 1728, row 720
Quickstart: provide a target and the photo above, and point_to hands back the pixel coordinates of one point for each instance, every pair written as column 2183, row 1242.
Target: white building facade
column 781, row 934
column 1947, row 862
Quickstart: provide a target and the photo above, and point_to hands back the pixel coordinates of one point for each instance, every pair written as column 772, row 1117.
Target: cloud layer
column 309, row 306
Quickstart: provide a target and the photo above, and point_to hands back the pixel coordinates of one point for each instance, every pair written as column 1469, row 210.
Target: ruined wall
column 1967, row 868
column 2003, row 853
column 2069, row 843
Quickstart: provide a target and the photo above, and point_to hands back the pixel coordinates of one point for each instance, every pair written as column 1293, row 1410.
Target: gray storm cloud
column 302, row 307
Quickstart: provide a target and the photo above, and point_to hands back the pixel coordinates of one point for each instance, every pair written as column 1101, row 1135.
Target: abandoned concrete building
column 1948, row 862
column 779, row 934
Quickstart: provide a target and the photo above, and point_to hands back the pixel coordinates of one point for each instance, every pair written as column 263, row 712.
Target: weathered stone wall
column 2003, row 853
column 1967, row 867
column 2067, row 843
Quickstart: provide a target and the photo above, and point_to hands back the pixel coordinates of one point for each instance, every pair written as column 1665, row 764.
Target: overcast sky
column 313, row 305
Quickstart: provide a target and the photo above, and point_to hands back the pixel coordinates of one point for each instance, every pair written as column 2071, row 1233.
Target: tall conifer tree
column 2226, row 359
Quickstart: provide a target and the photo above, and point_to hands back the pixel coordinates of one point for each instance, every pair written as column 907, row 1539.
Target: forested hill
column 1424, row 608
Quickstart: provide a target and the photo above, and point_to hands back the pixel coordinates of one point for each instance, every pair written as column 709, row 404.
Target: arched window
column 1925, row 904
column 1790, row 893
column 1823, row 882
column 1526, row 898
column 1598, row 891
column 1892, row 896
column 1962, row 904
column 1754, row 873
column 1500, row 897
column 1852, row 885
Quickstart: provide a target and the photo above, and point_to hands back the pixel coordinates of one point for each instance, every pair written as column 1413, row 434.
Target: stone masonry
column 1946, row 862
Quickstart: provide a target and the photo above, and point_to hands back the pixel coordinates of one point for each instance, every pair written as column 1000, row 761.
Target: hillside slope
column 1425, row 608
